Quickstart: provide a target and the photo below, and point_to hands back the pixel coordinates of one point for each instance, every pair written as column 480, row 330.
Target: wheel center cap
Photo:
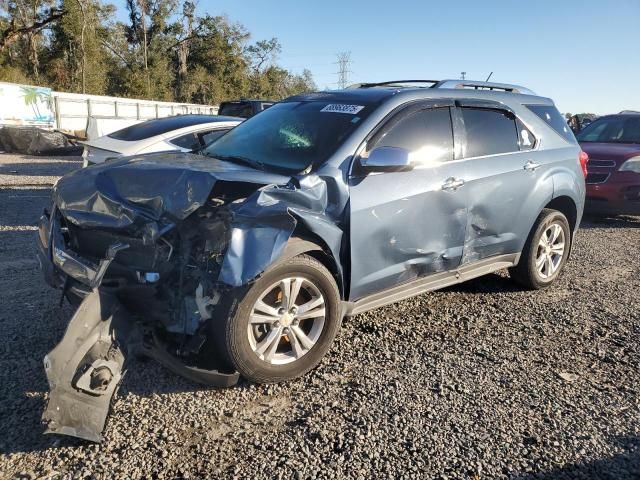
column 286, row 319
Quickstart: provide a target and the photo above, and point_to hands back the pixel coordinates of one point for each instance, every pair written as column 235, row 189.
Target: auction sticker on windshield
column 341, row 108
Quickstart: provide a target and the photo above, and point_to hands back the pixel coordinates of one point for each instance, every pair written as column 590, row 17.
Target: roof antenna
column 489, row 77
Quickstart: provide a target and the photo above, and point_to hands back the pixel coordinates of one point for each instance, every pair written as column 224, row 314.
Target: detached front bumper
column 86, row 367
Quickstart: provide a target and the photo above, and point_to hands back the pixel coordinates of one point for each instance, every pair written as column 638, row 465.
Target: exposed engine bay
column 150, row 266
column 155, row 299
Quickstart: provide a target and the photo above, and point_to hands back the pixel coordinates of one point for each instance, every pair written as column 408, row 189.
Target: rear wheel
column 545, row 252
column 284, row 323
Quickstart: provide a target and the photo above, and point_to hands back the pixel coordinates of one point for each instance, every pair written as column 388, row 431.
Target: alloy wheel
column 551, row 249
column 286, row 321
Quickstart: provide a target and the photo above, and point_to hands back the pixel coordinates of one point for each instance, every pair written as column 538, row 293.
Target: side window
column 489, row 132
column 212, row 136
column 189, row 141
column 427, row 134
column 552, row 117
column 526, row 139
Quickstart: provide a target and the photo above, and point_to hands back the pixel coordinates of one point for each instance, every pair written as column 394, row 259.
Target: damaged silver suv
column 243, row 260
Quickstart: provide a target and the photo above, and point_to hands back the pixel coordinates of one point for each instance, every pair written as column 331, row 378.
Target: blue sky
column 583, row 54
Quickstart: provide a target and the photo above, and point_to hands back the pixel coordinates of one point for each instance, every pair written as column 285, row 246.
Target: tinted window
column 526, row 140
column 554, row 119
column 159, row 126
column 291, row 136
column 211, row 137
column 189, row 141
column 236, row 109
column 613, row 129
column 489, row 132
column 426, row 133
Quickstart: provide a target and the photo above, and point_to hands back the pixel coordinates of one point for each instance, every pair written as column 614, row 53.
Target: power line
column 344, row 62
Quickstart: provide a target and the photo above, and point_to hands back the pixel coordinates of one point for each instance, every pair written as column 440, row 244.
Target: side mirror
column 387, row 159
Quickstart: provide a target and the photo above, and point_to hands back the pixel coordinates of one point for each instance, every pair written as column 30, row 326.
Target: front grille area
column 93, row 244
column 601, row 163
column 597, row 178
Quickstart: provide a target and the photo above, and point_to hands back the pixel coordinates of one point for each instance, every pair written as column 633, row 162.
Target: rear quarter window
column 189, row 141
column 552, row 117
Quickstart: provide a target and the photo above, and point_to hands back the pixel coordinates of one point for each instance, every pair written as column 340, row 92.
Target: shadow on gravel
column 38, row 169
column 492, row 283
column 625, row 466
column 22, row 206
column 610, row 222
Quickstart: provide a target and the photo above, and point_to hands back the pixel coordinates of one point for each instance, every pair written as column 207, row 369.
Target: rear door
column 502, row 169
column 407, row 224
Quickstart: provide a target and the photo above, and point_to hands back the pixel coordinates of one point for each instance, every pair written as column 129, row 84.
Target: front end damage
column 150, row 249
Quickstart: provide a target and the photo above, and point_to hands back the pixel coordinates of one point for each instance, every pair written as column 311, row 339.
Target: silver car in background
column 183, row 133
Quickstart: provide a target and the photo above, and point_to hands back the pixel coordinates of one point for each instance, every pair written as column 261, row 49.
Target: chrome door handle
column 531, row 166
column 452, row 183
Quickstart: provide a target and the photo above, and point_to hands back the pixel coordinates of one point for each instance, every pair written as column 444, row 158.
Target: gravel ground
column 478, row 381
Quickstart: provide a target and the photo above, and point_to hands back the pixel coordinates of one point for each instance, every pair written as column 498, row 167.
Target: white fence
column 38, row 106
column 72, row 110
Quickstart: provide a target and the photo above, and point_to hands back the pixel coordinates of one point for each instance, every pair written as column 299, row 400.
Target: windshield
column 290, row 136
column 618, row 129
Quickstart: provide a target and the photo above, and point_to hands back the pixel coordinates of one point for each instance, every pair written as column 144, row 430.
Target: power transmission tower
column 463, row 75
column 344, row 62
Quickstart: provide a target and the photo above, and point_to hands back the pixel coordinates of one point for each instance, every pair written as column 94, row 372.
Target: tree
column 263, row 54
column 76, row 58
column 24, row 22
column 165, row 50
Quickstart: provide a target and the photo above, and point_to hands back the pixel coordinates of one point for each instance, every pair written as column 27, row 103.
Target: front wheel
column 284, row 323
column 545, row 252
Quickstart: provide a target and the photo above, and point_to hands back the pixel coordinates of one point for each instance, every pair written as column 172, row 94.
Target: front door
column 406, row 224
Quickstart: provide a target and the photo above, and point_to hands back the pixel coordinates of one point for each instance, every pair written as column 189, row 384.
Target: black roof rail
column 476, row 85
column 392, row 83
column 455, row 84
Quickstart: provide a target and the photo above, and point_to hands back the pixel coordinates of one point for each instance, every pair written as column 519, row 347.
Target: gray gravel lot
column 482, row 380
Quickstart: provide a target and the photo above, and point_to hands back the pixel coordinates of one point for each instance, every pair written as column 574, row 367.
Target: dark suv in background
column 613, row 145
column 245, row 260
column 243, row 108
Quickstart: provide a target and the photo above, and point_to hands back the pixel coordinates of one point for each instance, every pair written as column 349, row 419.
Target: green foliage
column 165, row 51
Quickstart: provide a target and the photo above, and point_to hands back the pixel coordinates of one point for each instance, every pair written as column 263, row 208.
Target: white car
column 183, row 133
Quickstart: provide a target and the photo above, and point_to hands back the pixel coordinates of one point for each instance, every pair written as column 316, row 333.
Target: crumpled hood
column 131, row 192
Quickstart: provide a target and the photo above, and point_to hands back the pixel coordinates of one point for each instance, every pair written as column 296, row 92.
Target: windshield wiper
column 240, row 160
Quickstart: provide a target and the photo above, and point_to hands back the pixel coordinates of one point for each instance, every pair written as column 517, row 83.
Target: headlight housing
column 631, row 165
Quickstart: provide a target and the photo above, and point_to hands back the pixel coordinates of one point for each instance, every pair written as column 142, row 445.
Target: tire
column 239, row 343
column 528, row 272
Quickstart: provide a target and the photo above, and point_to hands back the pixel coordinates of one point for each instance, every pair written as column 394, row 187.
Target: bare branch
column 12, row 32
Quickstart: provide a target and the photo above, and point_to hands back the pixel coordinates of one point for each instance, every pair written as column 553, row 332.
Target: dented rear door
column 504, row 180
column 408, row 224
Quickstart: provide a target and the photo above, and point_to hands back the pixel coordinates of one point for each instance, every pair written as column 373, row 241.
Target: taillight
column 584, row 160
